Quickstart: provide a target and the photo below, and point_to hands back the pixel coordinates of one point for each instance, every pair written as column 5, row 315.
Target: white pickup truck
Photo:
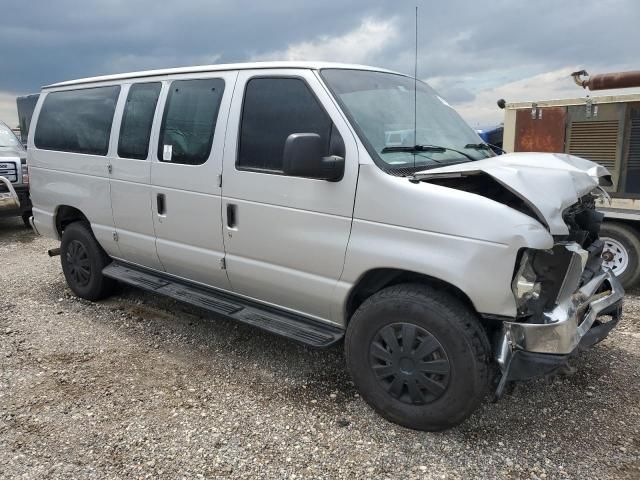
column 14, row 177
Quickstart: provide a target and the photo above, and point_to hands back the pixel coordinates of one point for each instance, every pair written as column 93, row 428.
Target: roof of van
column 217, row 68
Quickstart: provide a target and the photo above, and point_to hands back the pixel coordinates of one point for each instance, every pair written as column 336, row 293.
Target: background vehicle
column 13, row 167
column 604, row 129
column 26, row 104
column 233, row 188
column 493, row 136
column 18, row 134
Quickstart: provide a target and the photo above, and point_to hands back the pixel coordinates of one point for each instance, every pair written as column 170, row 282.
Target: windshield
column 8, row 138
column 381, row 107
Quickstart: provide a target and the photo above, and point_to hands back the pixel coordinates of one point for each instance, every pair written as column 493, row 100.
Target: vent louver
column 633, row 160
column 634, row 141
column 596, row 141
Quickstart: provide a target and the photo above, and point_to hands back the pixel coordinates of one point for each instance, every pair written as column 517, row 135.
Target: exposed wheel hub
column 410, row 363
column 615, row 255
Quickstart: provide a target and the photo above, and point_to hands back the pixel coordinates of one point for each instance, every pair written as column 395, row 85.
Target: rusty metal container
column 540, row 130
column 602, row 129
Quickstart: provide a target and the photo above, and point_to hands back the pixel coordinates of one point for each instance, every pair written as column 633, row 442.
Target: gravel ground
column 142, row 387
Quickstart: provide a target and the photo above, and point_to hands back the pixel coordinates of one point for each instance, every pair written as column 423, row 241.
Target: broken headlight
column 525, row 286
column 543, row 277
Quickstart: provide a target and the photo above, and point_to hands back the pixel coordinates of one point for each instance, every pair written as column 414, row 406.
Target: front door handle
column 161, row 204
column 232, row 216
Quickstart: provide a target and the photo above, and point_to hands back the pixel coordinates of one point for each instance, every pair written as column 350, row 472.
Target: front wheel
column 83, row 260
column 418, row 356
column 621, row 252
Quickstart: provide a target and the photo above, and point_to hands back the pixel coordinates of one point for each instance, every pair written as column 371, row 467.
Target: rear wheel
column 83, row 260
column 25, row 218
column 621, row 252
column 418, row 356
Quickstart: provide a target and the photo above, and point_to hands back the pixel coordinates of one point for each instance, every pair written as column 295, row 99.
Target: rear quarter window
column 77, row 121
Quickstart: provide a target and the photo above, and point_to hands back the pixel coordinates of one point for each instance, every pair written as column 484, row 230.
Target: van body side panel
column 444, row 233
column 73, row 179
column 295, row 264
column 131, row 197
column 189, row 234
column 288, row 245
column 43, row 213
column 131, row 203
column 88, row 193
column 472, row 266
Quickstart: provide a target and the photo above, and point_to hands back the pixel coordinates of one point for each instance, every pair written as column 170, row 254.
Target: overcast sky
column 473, row 52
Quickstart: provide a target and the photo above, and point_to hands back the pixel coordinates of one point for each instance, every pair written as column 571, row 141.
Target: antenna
column 415, row 92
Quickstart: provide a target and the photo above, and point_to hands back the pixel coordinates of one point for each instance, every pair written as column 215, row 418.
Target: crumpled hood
column 547, row 182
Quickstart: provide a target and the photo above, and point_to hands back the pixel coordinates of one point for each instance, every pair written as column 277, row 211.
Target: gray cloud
column 465, row 46
column 48, row 41
column 456, row 94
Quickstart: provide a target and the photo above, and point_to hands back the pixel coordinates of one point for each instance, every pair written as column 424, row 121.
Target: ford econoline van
column 330, row 203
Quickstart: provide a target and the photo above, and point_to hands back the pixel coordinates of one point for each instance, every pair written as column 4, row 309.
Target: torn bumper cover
column 544, row 342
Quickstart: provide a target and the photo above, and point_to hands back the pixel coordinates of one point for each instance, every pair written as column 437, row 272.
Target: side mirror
column 303, row 157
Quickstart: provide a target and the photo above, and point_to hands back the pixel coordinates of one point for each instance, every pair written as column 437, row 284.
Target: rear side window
column 77, row 121
column 189, row 120
column 137, row 120
column 273, row 109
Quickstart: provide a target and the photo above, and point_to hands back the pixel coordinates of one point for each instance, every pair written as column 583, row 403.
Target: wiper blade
column 415, row 148
column 426, row 148
column 478, row 146
column 483, row 146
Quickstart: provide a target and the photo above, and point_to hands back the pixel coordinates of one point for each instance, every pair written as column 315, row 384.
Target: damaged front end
column 561, row 296
column 562, row 293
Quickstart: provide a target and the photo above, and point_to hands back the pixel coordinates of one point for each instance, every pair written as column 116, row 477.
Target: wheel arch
column 376, row 279
column 65, row 215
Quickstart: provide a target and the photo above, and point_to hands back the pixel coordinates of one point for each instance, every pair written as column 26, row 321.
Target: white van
column 313, row 201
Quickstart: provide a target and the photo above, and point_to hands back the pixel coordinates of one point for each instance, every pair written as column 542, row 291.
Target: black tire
column 627, row 246
column 461, row 342
column 82, row 261
column 25, row 218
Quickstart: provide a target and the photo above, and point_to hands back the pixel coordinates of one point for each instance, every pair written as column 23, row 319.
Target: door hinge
column 220, row 180
column 115, row 236
column 223, row 264
column 110, row 168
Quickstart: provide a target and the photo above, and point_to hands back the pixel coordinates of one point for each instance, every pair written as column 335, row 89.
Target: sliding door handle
column 161, row 204
column 232, row 216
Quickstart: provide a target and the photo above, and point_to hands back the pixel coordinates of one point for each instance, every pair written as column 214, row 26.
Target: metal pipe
column 54, row 252
column 8, row 200
column 576, row 78
column 607, row 81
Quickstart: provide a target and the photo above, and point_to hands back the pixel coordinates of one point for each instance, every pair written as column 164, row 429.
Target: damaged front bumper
column 542, row 345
